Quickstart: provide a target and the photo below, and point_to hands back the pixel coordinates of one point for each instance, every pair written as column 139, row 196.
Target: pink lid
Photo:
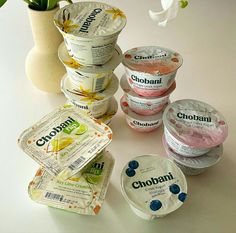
column 152, row 59
column 195, row 123
column 127, row 89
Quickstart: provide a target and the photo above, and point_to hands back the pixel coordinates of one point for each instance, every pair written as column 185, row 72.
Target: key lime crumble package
column 82, row 194
column 65, row 141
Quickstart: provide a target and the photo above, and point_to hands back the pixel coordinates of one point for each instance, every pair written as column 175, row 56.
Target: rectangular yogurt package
column 65, row 141
column 82, row 194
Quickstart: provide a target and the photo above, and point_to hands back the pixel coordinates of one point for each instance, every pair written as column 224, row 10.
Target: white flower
column 169, row 12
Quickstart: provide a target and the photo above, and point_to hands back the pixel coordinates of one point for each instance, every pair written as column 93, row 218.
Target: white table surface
column 205, row 35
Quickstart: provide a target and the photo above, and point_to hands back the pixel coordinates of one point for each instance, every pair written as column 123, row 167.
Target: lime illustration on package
column 65, row 141
column 82, row 194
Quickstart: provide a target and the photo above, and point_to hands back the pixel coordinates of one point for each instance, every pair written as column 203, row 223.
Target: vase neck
column 46, row 36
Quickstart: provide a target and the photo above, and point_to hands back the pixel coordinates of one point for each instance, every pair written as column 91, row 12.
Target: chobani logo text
column 89, row 20
column 151, row 57
column 152, row 181
column 146, row 81
column 193, row 117
column 145, row 124
column 67, row 127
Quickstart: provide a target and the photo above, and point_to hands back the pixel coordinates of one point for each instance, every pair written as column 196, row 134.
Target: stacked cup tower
column 90, row 54
column 148, row 81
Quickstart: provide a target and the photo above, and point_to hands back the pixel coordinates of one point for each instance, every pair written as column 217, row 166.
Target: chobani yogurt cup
column 111, row 112
column 194, row 165
column 89, row 78
column 193, row 127
column 96, row 103
column 65, row 141
column 138, row 122
column 151, row 70
column 107, row 117
column 145, row 105
column 153, row 186
column 90, row 30
column 82, row 194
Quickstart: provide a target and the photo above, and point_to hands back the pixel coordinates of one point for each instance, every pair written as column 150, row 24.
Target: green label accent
column 71, row 127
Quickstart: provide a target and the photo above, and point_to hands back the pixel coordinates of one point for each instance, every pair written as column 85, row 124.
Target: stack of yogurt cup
column 194, row 133
column 90, row 55
column 149, row 80
column 75, row 167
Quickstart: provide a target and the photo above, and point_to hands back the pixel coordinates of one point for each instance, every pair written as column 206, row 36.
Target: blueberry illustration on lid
column 133, row 164
column 155, row 205
column 174, row 188
column 130, row 172
column 182, row 197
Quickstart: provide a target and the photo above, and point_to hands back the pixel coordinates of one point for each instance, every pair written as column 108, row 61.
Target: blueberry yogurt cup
column 153, row 186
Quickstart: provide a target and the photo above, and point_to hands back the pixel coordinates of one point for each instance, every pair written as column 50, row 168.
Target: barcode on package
column 54, row 196
column 99, row 83
column 77, row 163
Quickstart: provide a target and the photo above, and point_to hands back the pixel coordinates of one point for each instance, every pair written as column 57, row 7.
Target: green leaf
column 44, row 4
column 2, row 2
column 51, row 4
column 183, row 3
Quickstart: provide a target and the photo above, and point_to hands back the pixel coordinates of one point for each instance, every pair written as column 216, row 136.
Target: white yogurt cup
column 90, row 30
column 151, row 70
column 153, row 186
column 138, row 122
column 89, row 78
column 107, row 117
column 111, row 112
column 194, row 165
column 145, row 105
column 95, row 103
column 193, row 127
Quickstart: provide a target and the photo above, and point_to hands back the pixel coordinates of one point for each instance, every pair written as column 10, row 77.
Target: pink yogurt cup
column 151, row 70
column 138, row 122
column 193, row 127
column 194, row 165
column 145, row 105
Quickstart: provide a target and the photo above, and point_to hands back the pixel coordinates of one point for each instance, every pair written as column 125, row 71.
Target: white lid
column 65, row 141
column 207, row 160
column 90, row 19
column 126, row 109
column 82, row 193
column 152, row 59
column 73, row 94
column 127, row 89
column 153, row 184
column 195, row 123
column 68, row 61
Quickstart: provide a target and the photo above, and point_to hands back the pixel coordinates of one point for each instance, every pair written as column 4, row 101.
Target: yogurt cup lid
column 73, row 93
column 204, row 161
column 152, row 59
column 90, row 19
column 68, row 61
column 195, row 123
column 127, row 89
column 126, row 109
column 82, row 194
column 65, row 141
column 153, row 184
